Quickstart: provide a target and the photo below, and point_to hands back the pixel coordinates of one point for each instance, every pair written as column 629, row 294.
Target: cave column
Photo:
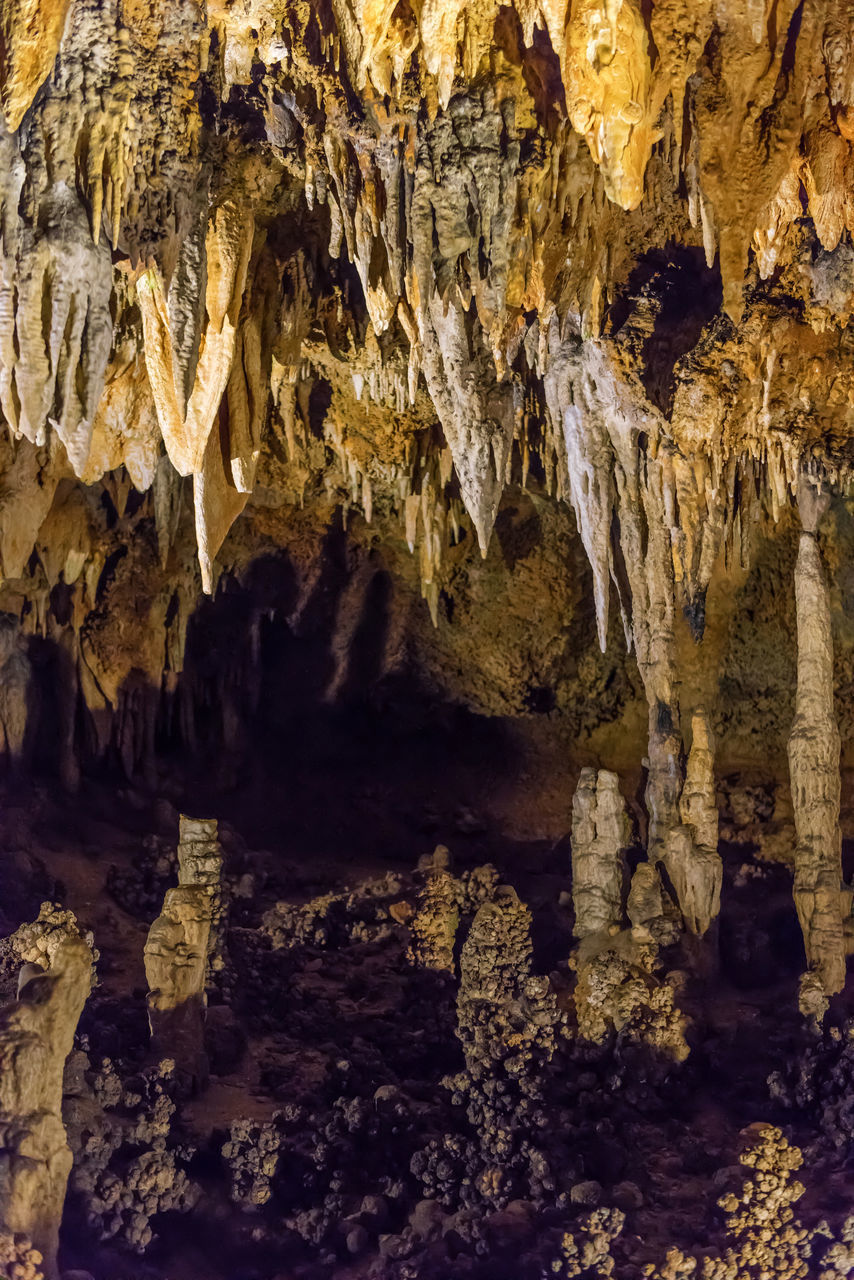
column 645, row 541
column 814, row 749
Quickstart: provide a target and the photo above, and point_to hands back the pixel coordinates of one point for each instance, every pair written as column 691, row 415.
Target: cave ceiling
column 391, row 259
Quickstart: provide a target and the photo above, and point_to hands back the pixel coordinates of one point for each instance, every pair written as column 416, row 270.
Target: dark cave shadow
column 248, row 730
column 687, row 294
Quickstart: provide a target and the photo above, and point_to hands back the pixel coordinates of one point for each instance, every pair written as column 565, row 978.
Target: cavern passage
column 427, row 639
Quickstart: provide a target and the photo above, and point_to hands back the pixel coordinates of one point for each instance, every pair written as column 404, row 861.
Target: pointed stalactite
column 56, row 327
column 814, row 747
column 30, row 32
column 167, row 493
column 478, row 419
column 186, row 432
column 591, row 487
column 217, row 501
column 608, row 77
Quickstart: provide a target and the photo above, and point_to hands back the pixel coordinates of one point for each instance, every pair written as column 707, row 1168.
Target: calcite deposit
column 426, row 450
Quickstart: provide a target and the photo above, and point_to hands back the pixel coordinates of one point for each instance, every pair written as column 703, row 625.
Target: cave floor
column 335, row 1029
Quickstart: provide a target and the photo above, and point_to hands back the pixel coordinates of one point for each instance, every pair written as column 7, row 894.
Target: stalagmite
column 200, row 863
column 437, row 914
column 814, row 762
column 36, row 1036
column 177, row 953
column 644, row 902
column 199, row 852
column 691, row 855
column 600, row 833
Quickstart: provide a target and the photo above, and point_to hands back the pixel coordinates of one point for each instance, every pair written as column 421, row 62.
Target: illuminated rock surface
column 427, row 426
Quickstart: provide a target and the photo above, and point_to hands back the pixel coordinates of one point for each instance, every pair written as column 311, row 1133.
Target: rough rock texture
column 36, row 1036
column 623, row 992
column 434, row 921
column 400, row 264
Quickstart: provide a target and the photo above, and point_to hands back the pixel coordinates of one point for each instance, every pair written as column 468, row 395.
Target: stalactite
column 228, row 246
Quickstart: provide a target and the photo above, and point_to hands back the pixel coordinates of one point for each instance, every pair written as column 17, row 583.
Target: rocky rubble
column 127, row 1167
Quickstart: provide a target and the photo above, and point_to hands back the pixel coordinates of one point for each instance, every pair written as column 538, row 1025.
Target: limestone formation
column 36, row 1036
column 213, row 271
column 623, row 992
column 644, row 902
column 691, row 856
column 200, row 863
column 177, row 953
column 600, row 834
column 37, row 941
column 434, row 924
column 402, row 405
column 814, row 769
column 199, row 852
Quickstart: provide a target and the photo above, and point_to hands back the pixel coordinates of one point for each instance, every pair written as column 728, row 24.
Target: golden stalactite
column 185, row 435
column 30, row 34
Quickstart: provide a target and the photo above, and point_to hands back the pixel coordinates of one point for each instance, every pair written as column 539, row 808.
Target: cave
column 426, row 640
